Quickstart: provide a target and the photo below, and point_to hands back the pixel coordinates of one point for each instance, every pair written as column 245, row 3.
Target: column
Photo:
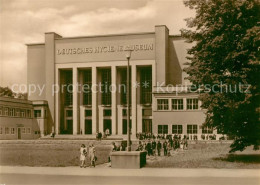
column 134, row 103
column 94, row 101
column 113, row 93
column 57, row 103
column 82, row 119
column 75, row 100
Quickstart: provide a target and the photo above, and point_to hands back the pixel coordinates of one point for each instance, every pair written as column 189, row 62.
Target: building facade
column 84, row 80
column 21, row 119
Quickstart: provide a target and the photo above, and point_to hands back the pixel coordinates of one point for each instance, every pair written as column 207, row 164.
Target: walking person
column 159, row 147
column 165, row 148
column 92, row 155
column 83, row 154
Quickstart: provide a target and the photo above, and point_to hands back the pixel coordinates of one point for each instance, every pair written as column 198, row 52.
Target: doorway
column 19, row 133
column 107, row 125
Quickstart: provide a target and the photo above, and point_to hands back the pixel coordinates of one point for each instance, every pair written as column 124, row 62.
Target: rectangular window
column 6, row 111
column 68, row 87
column 177, row 129
column 37, row 113
column 23, row 130
column 69, row 113
column 207, row 130
column 28, row 130
column 177, row 104
column 192, row 104
column 147, row 126
column 22, row 113
column 107, row 112
column 88, row 113
column 162, row 129
column 105, row 88
column 11, row 113
column 123, row 86
column 12, row 130
column 87, row 85
column 29, row 114
column 1, row 111
column 17, row 112
column 124, row 112
column 192, row 129
column 147, row 112
column 1, row 130
column 6, row 130
column 162, row 104
column 146, row 85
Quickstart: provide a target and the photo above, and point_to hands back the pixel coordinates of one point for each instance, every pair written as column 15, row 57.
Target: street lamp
column 128, row 56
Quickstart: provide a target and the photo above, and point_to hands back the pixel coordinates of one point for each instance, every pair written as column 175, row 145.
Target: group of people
column 153, row 147
column 87, row 153
column 105, row 134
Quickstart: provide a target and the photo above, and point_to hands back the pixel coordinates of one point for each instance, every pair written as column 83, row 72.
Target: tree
column 224, row 66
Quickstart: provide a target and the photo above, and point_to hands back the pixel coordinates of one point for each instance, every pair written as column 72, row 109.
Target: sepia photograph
column 129, row 92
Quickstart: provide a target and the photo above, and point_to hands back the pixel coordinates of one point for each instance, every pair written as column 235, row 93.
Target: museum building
column 68, row 66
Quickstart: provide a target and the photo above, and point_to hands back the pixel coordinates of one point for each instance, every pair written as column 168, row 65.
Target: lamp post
column 128, row 56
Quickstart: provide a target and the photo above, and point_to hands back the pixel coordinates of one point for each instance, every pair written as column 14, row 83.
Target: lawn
column 208, row 155
column 66, row 153
column 49, row 152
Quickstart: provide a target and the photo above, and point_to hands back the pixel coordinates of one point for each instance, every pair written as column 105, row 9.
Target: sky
column 26, row 21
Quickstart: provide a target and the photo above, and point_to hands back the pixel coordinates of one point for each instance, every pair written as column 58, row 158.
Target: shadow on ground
column 243, row 158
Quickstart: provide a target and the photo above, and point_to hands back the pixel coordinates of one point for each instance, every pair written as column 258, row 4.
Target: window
column 177, row 104
column 192, row 129
column 124, row 112
column 162, row 129
column 29, row 114
column 28, row 130
column 17, row 112
column 207, row 130
column 6, row 130
column 87, row 85
column 147, row 112
column 11, row 113
column 12, row 130
column 123, row 86
column 88, row 113
column 146, row 85
column 106, row 83
column 23, row 130
column 68, row 87
column 23, row 113
column 107, row 112
column 147, row 126
column 69, row 113
column 162, row 104
column 37, row 113
column 1, row 111
column 6, row 111
column 177, row 129
column 1, row 130
column 192, row 104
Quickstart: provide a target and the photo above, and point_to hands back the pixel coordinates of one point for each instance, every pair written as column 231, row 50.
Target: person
column 165, row 148
column 140, row 147
column 153, row 147
column 107, row 132
column 168, row 148
column 92, row 155
column 149, row 148
column 122, row 147
column 83, row 153
column 159, row 147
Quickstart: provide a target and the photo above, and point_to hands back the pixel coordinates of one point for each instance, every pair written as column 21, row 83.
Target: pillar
column 113, row 93
column 94, row 101
column 75, row 100
column 134, row 101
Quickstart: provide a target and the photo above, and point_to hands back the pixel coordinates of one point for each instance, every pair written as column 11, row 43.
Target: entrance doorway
column 107, row 125
column 147, row 126
column 88, row 126
column 19, row 133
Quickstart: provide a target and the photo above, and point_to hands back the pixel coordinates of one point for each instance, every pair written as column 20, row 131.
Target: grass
column 48, row 153
column 208, row 155
column 66, row 153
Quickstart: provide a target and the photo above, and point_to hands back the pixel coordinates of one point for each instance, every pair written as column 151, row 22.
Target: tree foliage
column 224, row 64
